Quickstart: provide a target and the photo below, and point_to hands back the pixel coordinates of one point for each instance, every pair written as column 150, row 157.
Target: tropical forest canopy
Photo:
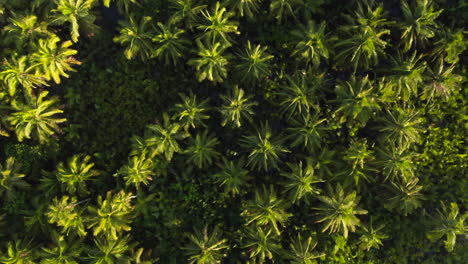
column 233, row 131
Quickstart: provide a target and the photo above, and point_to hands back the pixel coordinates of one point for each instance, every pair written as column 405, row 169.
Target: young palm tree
column 11, row 179
column 236, row 106
column 186, row 11
column 441, row 81
column 109, row 251
column 357, row 99
column 248, row 8
column 401, row 126
column 191, row 113
column 359, row 157
column 302, row 251
column 217, row 25
column 281, row 9
column 75, row 174
column 211, row 64
column 137, row 37
column 54, row 60
column 77, row 13
column 298, row 96
column 36, row 119
column 202, row 149
column 262, row 244
column 64, row 213
column 339, row 211
column 206, row 247
column 312, row 45
column 450, row 46
column 407, row 196
column 307, row 131
column 418, row 23
column 24, row 30
column 396, row 162
column 253, row 63
column 300, row 181
column 18, row 253
column 19, row 72
column 266, row 210
column 139, row 170
column 371, row 238
column 265, row 149
column 165, row 137
column 450, row 224
column 170, row 44
column 233, row 177
column 63, row 251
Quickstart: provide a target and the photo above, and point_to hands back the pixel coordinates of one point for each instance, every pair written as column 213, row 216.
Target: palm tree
column 262, row 244
column 53, row 60
column 265, row 149
column 122, row 5
column 281, row 9
column 303, row 250
column 298, row 96
column 266, row 210
column 139, row 170
column 165, row 137
column 217, row 25
column 109, row 251
column 202, row 149
column 418, row 23
column 137, row 38
column 359, row 157
column 206, row 247
column 307, row 131
column 339, row 210
column 64, row 213
column 77, row 13
column 20, row 72
column 450, row 45
column 18, row 253
column 211, row 64
column 62, row 252
column 300, row 181
column 441, row 81
column 170, row 44
column 74, row 176
column 36, row 119
column 246, row 8
column 450, row 224
column 11, row 179
column 357, row 99
column 186, row 11
column 253, row 63
column 236, row 106
column 396, row 162
column 312, row 43
column 407, row 196
column 25, row 30
column 401, row 126
column 233, row 177
column 371, row 238
column 191, row 113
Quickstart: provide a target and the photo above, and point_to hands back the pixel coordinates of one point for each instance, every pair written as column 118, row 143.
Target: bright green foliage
column 233, row 177
column 170, row 44
column 300, row 181
column 307, row 131
column 75, row 174
column 449, row 224
column 265, row 149
column 359, row 157
column 253, row 63
column 401, row 126
column 11, row 179
column 64, row 213
column 77, row 13
column 136, row 37
column 312, row 43
column 339, row 210
column 110, row 251
column 206, row 247
column 165, row 137
column 357, row 100
column 18, row 253
column 36, row 119
column 112, row 215
column 266, row 210
column 246, row 8
column 186, row 11
column 261, row 244
column 298, row 96
column 396, row 162
column 441, row 82
column 281, row 9
column 302, row 250
column 20, row 72
column 407, row 197
column 363, row 44
column 451, row 45
column 24, row 30
column 191, row 113
column 202, row 150
column 236, row 106
column 210, row 64
column 218, row 25
column 138, row 171
column 418, row 23
column 63, row 251
column 54, row 60
column 371, row 238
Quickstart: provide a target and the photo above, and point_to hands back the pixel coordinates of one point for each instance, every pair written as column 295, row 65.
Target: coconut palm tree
column 18, row 253
column 248, row 8
column 233, row 176
column 202, row 149
column 449, row 224
column 312, row 43
column 281, row 9
column 54, row 60
column 11, row 179
column 186, row 11
column 236, row 106
column 301, row 181
column 110, row 250
column 170, row 43
column 206, row 247
column 24, row 30
column 302, row 250
column 359, row 157
column 407, row 196
column 218, row 25
column 64, row 213
column 371, row 237
column 139, row 170
column 164, row 137
column 441, row 81
column 20, row 72
column 451, row 44
column 396, row 162
column 262, row 244
column 136, row 37
column 253, row 63
column 339, row 210
column 307, row 131
column 298, row 96
column 63, row 251
column 401, row 126
column 211, row 64
column 36, row 119
column 75, row 174
column 191, row 113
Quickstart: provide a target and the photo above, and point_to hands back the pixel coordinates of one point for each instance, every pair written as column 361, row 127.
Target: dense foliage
column 233, row 131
